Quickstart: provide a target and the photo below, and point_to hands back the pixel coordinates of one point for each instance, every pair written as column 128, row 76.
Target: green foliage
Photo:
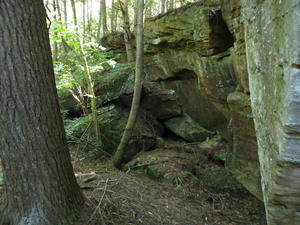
column 81, row 130
column 69, row 69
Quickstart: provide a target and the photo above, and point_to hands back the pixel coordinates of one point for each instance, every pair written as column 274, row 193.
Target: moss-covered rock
column 181, row 29
column 114, row 84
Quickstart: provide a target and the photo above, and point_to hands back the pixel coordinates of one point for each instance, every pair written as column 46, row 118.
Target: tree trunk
column 74, row 13
column 40, row 186
column 103, row 17
column 135, row 17
column 99, row 23
column 65, row 13
column 112, row 17
column 163, row 6
column 83, row 21
column 55, row 45
column 127, row 33
column 171, row 5
column 117, row 160
column 92, row 95
column 58, row 10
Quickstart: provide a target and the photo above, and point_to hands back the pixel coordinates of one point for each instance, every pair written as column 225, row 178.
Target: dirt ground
column 132, row 197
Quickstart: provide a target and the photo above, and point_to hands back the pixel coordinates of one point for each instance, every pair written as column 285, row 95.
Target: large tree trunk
column 40, row 186
column 139, row 69
column 127, row 33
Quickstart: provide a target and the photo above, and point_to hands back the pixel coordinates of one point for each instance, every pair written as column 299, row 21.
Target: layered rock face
column 273, row 56
column 232, row 67
column 200, row 54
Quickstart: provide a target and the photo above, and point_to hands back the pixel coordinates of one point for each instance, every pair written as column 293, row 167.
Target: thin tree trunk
column 74, row 13
column 117, row 159
column 112, row 17
column 171, row 5
column 99, row 23
column 163, row 6
column 58, row 10
column 83, row 20
column 91, row 93
column 135, row 17
column 65, row 13
column 40, row 186
column 127, row 33
column 103, row 17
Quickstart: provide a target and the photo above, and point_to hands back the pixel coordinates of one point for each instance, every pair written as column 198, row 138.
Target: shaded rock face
column 112, row 123
column 182, row 30
column 197, row 65
column 187, row 129
column 205, row 64
column 273, row 54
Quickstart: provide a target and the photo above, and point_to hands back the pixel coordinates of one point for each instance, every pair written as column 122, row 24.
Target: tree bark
column 58, row 10
column 117, row 160
column 171, row 5
column 74, row 13
column 55, row 45
column 99, row 23
column 127, row 33
column 163, row 6
column 65, row 13
column 112, row 17
column 103, row 17
column 83, row 20
column 40, row 186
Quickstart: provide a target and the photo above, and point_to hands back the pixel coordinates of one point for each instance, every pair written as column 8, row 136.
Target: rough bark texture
column 40, row 185
column 117, row 160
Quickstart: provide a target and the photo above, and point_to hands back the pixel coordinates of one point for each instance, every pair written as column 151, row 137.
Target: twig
column 99, row 204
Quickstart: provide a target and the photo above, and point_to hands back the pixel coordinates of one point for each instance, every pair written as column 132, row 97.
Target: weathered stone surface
column 186, row 128
column 215, row 76
column 243, row 158
column 273, row 53
column 113, row 84
column 193, row 100
column 112, row 123
column 162, row 103
column 181, row 29
column 231, row 12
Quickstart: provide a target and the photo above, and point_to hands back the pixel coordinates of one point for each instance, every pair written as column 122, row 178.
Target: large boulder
column 161, row 103
column 186, row 128
column 272, row 31
column 112, row 122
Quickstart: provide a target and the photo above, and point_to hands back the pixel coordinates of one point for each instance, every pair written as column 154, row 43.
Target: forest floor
column 136, row 197
column 133, row 197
